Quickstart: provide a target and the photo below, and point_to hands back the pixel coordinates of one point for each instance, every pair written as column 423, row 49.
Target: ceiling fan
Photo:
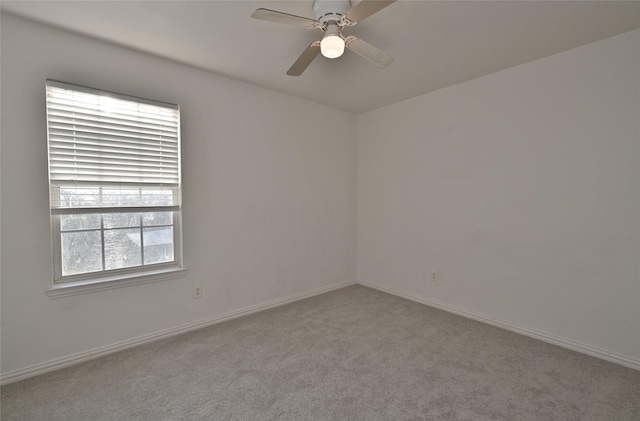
column 331, row 17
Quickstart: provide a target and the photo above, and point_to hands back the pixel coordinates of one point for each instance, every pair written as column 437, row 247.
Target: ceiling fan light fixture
column 331, row 16
column 332, row 46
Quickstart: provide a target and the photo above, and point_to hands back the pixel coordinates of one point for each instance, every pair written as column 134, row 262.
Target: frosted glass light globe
column 332, row 46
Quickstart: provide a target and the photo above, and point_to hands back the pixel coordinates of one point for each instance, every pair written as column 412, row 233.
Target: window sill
column 85, row 287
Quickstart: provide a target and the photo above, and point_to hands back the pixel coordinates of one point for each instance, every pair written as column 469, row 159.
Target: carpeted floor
column 351, row 354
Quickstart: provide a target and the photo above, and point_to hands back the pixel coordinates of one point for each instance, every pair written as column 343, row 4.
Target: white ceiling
column 434, row 43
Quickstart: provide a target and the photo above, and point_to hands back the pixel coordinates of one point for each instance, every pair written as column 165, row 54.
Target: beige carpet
column 351, row 354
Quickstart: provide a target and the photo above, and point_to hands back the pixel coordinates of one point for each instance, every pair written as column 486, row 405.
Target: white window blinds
column 111, row 152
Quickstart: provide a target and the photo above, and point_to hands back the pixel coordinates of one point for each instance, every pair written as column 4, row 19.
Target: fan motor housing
column 330, row 10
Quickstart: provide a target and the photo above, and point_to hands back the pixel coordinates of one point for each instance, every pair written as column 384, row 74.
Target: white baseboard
column 58, row 363
column 523, row 330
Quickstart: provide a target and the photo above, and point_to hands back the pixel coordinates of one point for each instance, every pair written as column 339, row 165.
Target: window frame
column 111, row 278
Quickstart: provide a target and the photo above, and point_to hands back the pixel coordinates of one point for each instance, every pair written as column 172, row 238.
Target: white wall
column 522, row 189
column 269, row 201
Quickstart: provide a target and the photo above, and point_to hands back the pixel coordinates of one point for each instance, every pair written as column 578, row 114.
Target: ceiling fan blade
column 305, row 59
column 368, row 51
column 366, row 8
column 275, row 16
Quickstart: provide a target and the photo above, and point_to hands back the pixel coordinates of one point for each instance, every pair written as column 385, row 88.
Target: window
column 114, row 178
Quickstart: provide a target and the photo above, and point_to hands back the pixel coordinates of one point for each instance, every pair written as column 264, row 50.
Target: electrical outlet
column 434, row 276
column 197, row 291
